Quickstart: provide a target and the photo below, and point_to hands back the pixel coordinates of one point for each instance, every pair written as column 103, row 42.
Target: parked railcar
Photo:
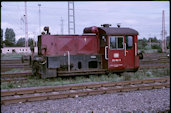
column 98, row 50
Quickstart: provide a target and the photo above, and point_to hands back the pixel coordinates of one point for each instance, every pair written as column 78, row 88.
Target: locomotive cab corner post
column 97, row 51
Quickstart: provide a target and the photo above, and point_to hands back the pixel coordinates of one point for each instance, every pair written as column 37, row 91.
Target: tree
column 155, row 47
column 20, row 42
column 30, row 42
column 9, row 37
column 153, row 39
column 168, row 42
column 1, row 38
column 142, row 43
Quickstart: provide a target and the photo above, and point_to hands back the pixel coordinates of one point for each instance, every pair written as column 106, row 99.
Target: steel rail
column 18, row 64
column 11, row 75
column 153, row 62
column 144, row 64
column 153, row 66
column 23, row 74
column 14, row 80
column 44, row 93
column 15, row 77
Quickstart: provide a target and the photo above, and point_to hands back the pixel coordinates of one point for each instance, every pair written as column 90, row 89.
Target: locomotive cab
column 119, row 48
column 121, row 52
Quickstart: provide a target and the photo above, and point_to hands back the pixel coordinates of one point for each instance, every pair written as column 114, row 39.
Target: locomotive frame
column 98, row 50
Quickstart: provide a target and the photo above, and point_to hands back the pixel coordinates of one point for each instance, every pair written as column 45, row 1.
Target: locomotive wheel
column 36, row 69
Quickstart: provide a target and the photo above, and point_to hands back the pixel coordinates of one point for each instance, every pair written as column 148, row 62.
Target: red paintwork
column 136, row 57
column 128, row 61
column 57, row 45
column 116, row 63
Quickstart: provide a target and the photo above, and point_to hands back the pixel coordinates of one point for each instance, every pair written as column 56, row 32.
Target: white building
column 27, row 50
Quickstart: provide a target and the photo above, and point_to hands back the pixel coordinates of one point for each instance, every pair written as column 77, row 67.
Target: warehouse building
column 6, row 50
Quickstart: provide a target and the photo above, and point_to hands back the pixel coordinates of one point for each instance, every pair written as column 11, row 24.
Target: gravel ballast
column 156, row 100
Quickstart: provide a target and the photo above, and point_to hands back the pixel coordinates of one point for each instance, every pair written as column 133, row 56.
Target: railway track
column 149, row 66
column 20, row 77
column 154, row 61
column 15, row 80
column 8, row 65
column 14, row 68
column 15, row 61
column 11, row 75
column 143, row 65
column 15, row 77
column 10, row 96
column 150, row 61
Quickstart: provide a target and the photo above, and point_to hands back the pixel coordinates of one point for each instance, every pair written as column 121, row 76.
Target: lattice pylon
column 71, row 18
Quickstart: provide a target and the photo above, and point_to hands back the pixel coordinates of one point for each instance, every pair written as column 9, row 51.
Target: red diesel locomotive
column 98, row 50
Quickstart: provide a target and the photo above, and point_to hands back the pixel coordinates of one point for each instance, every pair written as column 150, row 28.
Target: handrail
column 106, row 52
column 135, row 49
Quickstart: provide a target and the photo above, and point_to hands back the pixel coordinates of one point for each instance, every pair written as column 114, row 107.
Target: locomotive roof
column 118, row 31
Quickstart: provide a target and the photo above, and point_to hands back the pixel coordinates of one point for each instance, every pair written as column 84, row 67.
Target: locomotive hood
column 110, row 30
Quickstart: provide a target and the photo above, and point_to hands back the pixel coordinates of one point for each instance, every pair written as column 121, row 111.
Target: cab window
column 116, row 42
column 129, row 42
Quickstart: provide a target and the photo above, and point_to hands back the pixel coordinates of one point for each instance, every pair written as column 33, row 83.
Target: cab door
column 129, row 52
column 115, row 53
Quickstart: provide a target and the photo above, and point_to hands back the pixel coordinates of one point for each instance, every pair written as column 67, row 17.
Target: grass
column 139, row 75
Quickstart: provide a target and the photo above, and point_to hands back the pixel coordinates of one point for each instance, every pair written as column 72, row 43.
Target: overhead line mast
column 39, row 20
column 26, row 26
column 163, row 33
column 62, row 25
column 71, row 17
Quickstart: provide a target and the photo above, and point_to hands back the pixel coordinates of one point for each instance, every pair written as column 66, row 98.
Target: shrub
column 155, row 47
column 159, row 50
column 127, row 77
column 10, row 85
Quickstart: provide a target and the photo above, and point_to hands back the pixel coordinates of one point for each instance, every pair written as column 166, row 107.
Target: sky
column 143, row 16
